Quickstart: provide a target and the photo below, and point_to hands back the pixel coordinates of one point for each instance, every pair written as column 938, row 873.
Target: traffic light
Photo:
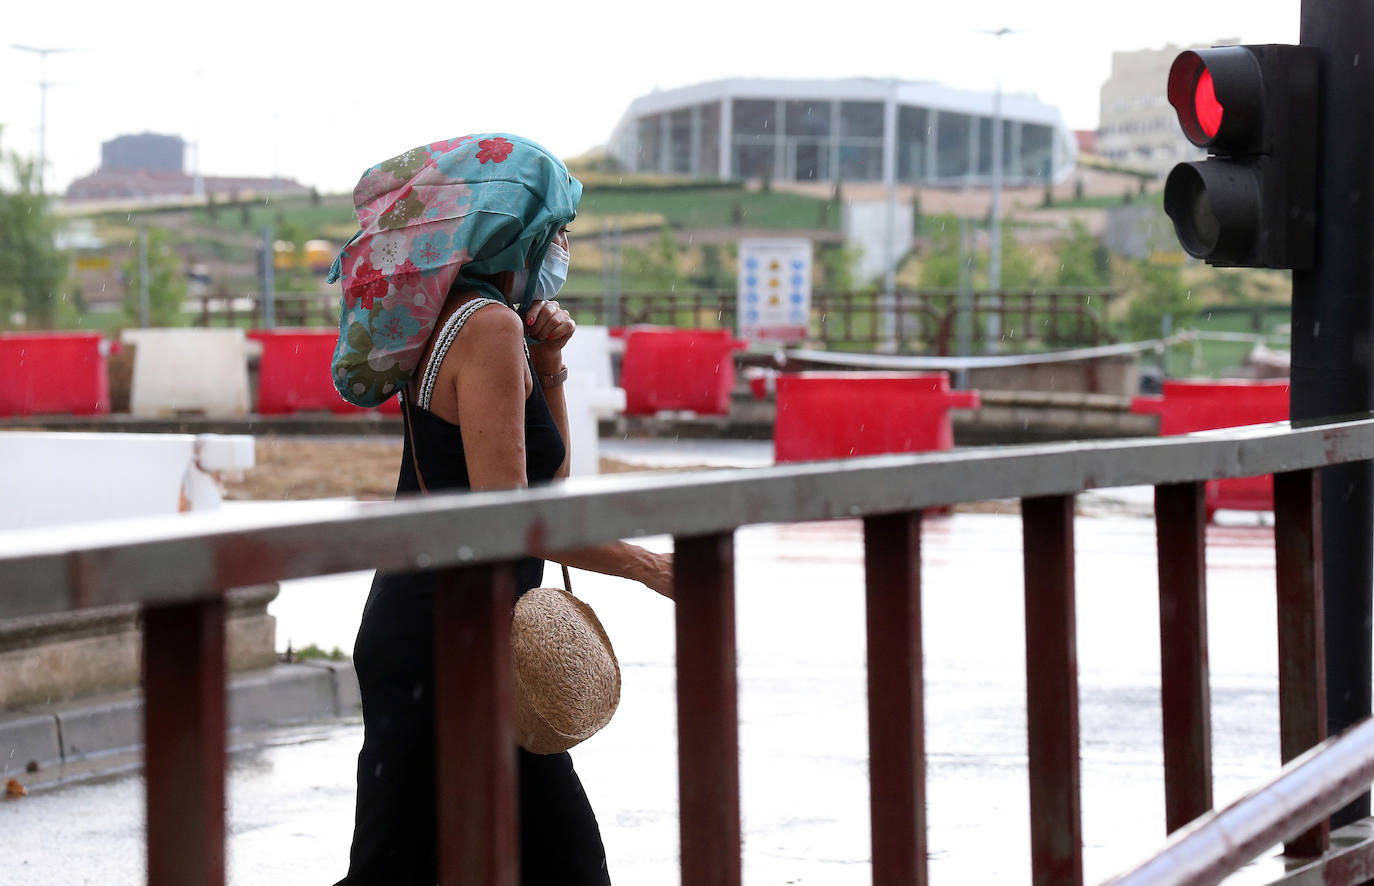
column 1252, row 203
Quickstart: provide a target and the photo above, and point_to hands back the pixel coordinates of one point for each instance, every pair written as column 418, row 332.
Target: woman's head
column 461, row 211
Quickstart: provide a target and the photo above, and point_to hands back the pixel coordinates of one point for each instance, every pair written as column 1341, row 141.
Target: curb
column 280, row 695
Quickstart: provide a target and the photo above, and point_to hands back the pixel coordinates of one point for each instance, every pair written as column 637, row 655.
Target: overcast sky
column 320, row 91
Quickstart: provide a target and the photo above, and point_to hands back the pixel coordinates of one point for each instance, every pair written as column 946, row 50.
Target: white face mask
column 553, row 273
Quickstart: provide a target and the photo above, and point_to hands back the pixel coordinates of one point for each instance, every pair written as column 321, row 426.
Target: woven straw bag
column 567, row 679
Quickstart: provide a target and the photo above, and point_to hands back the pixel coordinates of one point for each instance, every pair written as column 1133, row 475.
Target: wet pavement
column 802, row 715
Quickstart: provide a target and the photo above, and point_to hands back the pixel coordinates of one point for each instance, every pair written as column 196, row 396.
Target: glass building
column 852, row 130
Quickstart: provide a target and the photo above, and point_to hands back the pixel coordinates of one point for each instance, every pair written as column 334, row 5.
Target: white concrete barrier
column 189, row 370
column 591, row 394
column 59, row 478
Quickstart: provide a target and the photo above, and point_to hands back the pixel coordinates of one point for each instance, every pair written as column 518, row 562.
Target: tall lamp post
column 995, row 246
column 43, row 85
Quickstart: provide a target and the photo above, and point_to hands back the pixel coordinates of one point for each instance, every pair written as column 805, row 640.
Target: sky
column 319, row 92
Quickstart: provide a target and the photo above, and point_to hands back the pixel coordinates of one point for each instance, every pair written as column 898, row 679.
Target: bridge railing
column 178, row 571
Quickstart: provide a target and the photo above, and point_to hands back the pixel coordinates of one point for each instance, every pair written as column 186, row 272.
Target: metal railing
column 922, row 321
column 178, row 572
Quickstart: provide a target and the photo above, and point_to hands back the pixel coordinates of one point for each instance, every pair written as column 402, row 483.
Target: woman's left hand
column 550, row 327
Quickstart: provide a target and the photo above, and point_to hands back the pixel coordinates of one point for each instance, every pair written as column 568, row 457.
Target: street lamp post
column 43, row 85
column 995, row 226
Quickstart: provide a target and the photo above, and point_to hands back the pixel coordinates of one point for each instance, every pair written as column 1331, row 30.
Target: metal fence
column 178, row 573
column 921, row 321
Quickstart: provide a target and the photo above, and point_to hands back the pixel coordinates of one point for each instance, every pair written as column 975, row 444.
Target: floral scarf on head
column 450, row 211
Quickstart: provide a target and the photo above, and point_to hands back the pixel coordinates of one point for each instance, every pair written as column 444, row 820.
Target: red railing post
column 475, row 740
column 183, row 734
column 896, row 716
column 1185, row 690
column 1302, row 647
column 1052, row 692
column 707, row 710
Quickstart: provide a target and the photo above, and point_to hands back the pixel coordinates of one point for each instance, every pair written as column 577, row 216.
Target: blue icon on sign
column 751, row 263
column 796, row 298
column 752, row 316
column 796, row 279
column 798, row 264
column 752, row 298
column 751, row 281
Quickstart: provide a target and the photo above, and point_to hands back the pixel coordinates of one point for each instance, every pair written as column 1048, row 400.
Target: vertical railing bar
column 1185, row 691
column 1052, row 692
column 184, row 742
column 707, row 710
column 1302, row 646
column 475, row 730
column 896, row 716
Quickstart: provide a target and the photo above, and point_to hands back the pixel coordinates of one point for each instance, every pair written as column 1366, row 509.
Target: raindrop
column 1316, row 329
column 1357, row 59
column 423, row 561
column 465, row 553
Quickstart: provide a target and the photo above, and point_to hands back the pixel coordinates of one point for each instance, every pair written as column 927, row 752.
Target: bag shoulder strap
column 442, row 342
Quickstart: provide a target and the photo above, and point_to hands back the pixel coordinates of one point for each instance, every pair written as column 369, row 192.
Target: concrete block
column 225, row 452
column 96, row 729
column 26, row 738
column 348, row 698
column 189, row 370
column 283, row 694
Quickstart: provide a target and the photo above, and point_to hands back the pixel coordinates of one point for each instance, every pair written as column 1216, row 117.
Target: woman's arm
column 552, row 327
column 490, row 388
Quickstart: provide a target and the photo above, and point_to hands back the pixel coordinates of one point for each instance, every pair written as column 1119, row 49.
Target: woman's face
column 561, row 238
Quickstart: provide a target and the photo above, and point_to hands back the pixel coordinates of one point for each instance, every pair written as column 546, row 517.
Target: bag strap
column 442, row 342
column 415, row 462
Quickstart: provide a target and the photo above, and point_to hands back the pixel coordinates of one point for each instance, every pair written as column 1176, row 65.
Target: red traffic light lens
column 1206, row 109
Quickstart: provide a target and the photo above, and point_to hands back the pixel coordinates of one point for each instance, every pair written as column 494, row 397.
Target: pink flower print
column 494, row 149
column 406, row 275
column 366, row 284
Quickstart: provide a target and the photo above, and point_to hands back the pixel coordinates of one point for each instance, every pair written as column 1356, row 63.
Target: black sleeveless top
column 438, row 446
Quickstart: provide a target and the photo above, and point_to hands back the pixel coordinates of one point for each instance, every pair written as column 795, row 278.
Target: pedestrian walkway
column 802, row 711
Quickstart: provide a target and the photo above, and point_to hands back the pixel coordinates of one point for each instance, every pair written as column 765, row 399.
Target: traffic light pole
column 1333, row 343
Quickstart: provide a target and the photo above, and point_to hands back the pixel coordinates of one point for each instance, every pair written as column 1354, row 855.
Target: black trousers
column 394, row 836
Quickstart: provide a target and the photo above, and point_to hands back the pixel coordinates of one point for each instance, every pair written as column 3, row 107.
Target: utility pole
column 995, row 226
column 1333, row 338
column 43, row 84
column 144, row 302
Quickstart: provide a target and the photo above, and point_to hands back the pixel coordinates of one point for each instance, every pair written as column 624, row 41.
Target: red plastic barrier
column 294, row 373
column 842, row 414
column 53, row 372
column 678, row 369
column 1188, row 406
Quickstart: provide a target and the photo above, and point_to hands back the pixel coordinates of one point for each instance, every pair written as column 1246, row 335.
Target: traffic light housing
column 1253, row 202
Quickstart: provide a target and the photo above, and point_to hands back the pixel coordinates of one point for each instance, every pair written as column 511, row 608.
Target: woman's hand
column 659, row 573
column 550, row 326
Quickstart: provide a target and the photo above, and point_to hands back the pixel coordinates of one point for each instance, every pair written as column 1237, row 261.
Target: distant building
column 146, row 152
column 827, row 130
column 1137, row 127
column 151, row 167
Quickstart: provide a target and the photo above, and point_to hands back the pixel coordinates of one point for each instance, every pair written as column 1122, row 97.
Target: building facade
column 1137, row 127
column 847, row 130
column 145, row 152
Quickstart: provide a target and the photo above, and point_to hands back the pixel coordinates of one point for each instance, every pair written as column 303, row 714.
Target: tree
column 1083, row 260
column 32, row 270
column 166, row 282
column 940, row 269
column 1152, row 292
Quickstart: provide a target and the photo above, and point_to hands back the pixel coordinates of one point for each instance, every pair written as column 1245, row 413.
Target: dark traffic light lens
column 1185, row 201
column 1215, row 209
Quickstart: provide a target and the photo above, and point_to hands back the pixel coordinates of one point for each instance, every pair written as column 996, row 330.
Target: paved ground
column 802, row 715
